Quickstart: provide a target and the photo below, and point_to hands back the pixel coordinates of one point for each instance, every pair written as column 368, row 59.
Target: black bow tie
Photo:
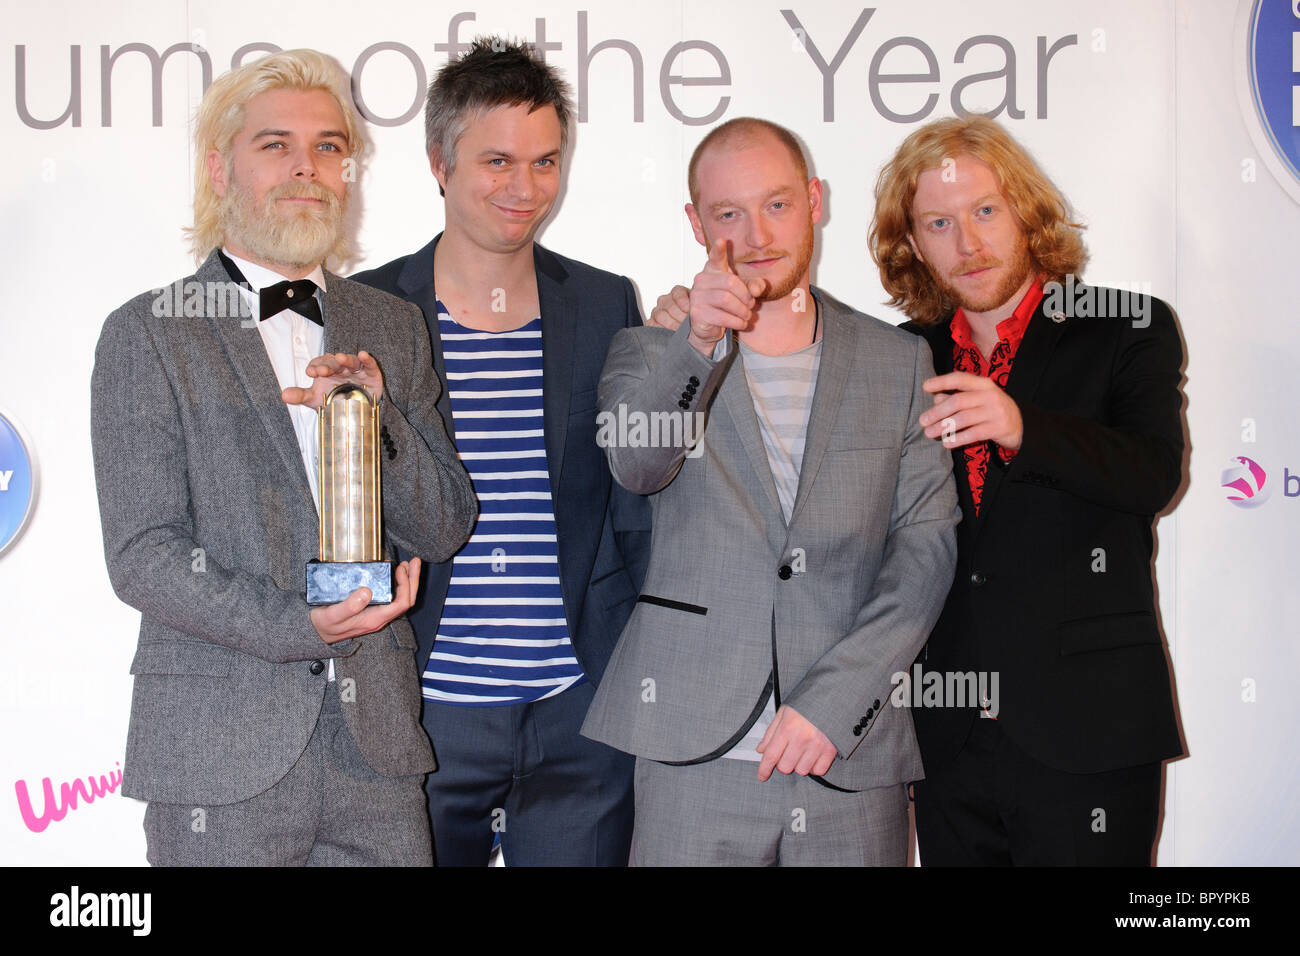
column 299, row 296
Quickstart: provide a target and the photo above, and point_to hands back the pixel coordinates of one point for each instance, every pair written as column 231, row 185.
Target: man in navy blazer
column 515, row 631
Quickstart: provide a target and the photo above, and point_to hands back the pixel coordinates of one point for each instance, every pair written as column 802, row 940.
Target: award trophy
column 350, row 503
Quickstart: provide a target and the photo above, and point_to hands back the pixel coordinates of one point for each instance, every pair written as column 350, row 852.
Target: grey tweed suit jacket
column 209, row 522
column 842, row 596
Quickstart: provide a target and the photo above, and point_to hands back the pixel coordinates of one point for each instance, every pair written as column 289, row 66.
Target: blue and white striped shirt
column 503, row 638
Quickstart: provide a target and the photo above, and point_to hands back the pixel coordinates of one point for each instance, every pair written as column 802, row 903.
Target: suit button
column 317, row 667
column 875, row 704
column 683, row 404
column 686, row 396
column 694, row 380
column 857, row 731
column 977, row 579
column 784, row 573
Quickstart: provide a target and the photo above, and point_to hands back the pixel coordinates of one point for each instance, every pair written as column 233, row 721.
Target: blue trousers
column 524, row 773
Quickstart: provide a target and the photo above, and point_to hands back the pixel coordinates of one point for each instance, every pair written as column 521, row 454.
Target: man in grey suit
column 264, row 731
column 801, row 550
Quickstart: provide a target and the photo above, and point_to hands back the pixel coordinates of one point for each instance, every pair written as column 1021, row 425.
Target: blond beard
column 303, row 237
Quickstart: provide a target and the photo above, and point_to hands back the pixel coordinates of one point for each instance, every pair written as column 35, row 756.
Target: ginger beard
column 1013, row 278
column 778, row 287
column 295, row 234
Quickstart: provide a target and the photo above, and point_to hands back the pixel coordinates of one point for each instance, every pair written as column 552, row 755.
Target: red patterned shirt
column 967, row 358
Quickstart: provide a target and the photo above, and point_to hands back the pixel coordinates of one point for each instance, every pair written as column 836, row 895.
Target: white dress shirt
column 291, row 341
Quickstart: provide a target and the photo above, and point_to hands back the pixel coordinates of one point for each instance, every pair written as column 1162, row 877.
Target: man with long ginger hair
column 1060, row 403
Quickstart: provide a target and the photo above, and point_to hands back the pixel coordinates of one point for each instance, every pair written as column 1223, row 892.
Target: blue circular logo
column 17, row 482
column 1273, row 67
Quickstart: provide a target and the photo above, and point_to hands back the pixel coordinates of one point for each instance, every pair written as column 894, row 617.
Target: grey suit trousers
column 330, row 809
column 718, row 813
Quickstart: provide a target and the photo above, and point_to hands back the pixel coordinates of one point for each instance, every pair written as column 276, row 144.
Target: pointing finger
column 720, row 257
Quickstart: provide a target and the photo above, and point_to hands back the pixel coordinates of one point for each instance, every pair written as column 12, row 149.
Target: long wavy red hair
column 1055, row 246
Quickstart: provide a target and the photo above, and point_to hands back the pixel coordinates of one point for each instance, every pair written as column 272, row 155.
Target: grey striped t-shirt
column 782, row 388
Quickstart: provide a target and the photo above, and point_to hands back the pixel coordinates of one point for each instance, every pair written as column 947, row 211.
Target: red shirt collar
column 1010, row 329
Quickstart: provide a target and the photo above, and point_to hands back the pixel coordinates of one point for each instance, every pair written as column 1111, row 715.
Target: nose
column 759, row 233
column 968, row 240
column 304, row 164
column 522, row 183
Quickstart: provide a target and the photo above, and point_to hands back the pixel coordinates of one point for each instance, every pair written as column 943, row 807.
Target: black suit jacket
column 602, row 531
column 1053, row 589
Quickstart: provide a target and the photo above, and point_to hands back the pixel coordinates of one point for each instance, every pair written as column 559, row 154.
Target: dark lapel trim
column 247, row 354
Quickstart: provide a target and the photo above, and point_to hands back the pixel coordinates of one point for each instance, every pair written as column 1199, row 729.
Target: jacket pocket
column 1107, row 632
column 671, row 604
column 182, row 657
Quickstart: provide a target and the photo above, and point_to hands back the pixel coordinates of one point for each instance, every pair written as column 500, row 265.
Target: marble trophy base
column 329, row 582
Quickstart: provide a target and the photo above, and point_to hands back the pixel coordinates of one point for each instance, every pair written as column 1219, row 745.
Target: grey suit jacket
column 843, row 596
column 209, row 522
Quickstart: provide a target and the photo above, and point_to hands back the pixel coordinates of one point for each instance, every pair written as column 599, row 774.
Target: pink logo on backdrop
column 54, row 810
column 1246, row 483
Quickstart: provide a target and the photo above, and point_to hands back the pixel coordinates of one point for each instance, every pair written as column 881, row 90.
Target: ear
column 915, row 249
column 697, row 227
column 438, row 168
column 217, row 173
column 815, row 198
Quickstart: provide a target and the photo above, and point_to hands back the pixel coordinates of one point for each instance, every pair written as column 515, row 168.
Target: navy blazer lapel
column 839, row 345
column 416, row 285
column 559, row 328
column 247, row 355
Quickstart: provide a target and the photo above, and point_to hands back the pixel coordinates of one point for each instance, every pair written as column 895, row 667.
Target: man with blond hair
column 1060, row 404
column 264, row 731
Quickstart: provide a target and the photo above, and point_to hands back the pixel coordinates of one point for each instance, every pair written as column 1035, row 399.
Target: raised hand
column 332, row 370
column 971, row 408
column 355, row 616
column 671, row 309
column 721, row 300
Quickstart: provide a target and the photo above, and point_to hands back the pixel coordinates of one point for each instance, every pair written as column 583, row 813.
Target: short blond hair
column 221, row 117
column 1055, row 247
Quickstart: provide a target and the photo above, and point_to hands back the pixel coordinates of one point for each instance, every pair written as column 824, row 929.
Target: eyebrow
column 323, row 134
column 727, row 203
column 492, row 153
column 982, row 201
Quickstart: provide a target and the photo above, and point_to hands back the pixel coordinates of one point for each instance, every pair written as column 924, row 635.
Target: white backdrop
column 1141, row 112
